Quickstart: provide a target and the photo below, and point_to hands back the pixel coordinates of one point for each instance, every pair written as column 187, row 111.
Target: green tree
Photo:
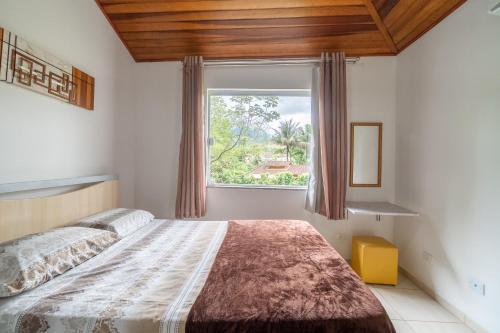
column 287, row 135
column 300, row 153
column 305, row 137
column 237, row 128
column 248, row 116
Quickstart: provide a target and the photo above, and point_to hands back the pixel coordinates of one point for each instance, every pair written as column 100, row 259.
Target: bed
column 204, row 276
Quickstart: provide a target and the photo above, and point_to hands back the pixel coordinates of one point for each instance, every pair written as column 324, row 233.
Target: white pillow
column 30, row 261
column 120, row 220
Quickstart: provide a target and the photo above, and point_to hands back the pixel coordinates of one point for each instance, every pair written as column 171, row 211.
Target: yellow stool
column 375, row 260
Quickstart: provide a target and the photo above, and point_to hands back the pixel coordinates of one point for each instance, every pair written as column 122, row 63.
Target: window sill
column 259, row 187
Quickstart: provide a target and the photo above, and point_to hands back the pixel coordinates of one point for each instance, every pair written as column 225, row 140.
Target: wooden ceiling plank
column 384, row 7
column 427, row 22
column 361, row 38
column 419, row 17
column 101, row 8
column 303, row 43
column 186, row 6
column 402, row 13
column 243, row 33
column 193, row 49
column 416, row 20
column 381, row 26
column 369, row 38
column 241, row 14
column 345, row 21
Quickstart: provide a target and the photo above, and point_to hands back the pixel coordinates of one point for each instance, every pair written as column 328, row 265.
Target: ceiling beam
column 381, row 26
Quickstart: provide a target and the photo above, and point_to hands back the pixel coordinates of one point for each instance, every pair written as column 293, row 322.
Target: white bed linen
column 146, row 282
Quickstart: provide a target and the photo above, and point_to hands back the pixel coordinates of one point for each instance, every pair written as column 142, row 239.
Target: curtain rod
column 263, row 62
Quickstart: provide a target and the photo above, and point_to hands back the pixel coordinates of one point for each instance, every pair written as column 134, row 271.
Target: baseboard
column 447, row 305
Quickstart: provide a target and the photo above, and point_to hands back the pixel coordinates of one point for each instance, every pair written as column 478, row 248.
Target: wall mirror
column 366, row 155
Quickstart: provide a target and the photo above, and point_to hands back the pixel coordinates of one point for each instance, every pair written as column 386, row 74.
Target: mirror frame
column 351, row 159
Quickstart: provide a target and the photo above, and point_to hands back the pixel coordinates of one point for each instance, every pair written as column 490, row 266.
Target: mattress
column 204, row 276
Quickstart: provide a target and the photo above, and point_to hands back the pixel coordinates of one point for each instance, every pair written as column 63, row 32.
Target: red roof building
column 276, row 167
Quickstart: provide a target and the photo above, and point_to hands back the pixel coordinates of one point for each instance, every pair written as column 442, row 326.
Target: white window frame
column 244, row 92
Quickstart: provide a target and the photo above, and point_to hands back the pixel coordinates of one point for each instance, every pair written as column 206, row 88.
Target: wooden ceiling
column 161, row 30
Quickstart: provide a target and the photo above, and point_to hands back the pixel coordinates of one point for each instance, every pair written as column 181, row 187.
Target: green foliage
column 287, row 135
column 232, row 127
column 300, row 151
column 298, row 156
column 239, row 177
column 240, row 139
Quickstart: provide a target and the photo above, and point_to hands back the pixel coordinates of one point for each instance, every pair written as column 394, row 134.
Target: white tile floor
column 413, row 311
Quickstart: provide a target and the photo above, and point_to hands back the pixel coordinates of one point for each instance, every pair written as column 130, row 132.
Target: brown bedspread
column 282, row 276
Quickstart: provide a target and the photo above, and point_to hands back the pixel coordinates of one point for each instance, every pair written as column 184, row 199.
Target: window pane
column 259, row 138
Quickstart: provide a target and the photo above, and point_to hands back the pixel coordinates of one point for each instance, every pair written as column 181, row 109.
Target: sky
column 297, row 108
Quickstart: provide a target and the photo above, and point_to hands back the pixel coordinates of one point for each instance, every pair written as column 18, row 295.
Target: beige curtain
column 191, row 186
column 328, row 191
column 315, row 186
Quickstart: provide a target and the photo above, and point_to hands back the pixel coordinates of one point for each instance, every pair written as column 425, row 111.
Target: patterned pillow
column 120, row 220
column 32, row 260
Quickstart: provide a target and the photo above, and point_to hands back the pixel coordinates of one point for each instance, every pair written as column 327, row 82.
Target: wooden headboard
column 27, row 216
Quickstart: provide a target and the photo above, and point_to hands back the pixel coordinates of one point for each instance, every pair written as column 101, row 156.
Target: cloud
column 294, row 105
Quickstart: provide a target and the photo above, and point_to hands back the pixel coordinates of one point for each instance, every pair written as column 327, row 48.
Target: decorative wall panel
column 27, row 66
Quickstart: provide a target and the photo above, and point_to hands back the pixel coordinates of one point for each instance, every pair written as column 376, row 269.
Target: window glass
column 259, row 138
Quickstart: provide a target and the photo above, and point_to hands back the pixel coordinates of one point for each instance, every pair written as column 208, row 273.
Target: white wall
column 41, row 137
column 448, row 159
column 158, row 130
column 371, row 97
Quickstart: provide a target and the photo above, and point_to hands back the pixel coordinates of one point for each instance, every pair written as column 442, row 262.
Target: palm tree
column 287, row 135
column 305, row 136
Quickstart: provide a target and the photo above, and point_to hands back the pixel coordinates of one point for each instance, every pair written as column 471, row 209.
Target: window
column 259, row 138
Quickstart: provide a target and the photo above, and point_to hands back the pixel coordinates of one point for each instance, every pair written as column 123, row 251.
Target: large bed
column 171, row 276
column 192, row 276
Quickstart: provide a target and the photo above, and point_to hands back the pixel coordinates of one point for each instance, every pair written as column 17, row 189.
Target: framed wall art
column 26, row 65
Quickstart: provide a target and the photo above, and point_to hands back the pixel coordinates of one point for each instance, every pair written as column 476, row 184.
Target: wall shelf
column 377, row 208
